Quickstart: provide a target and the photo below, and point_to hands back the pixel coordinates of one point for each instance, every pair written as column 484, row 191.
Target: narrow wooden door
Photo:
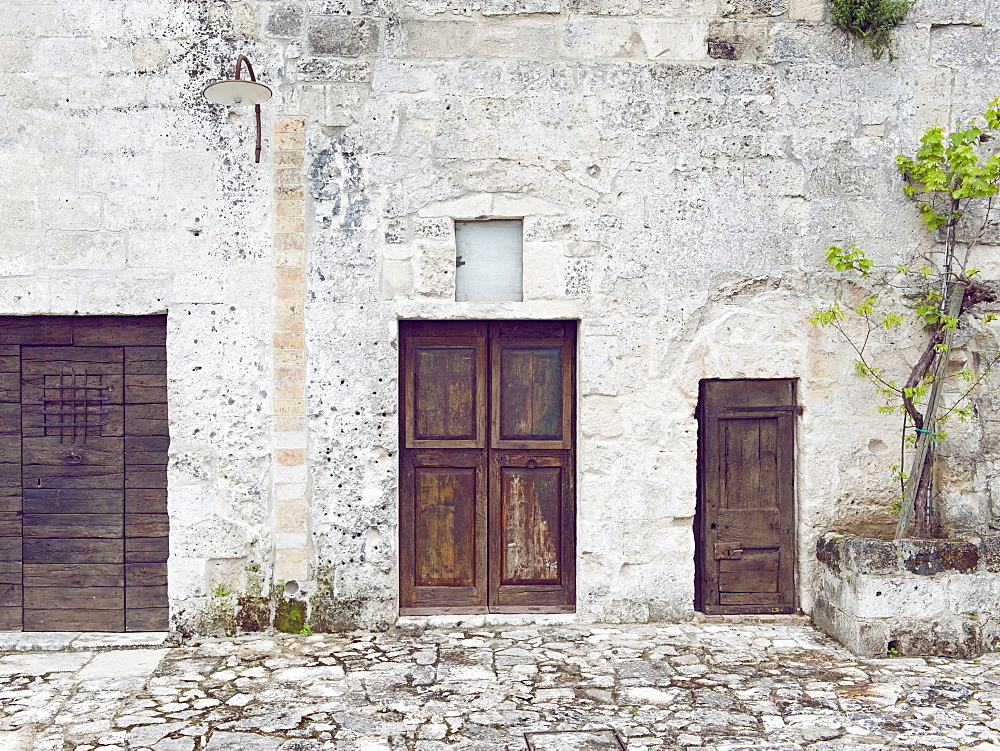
column 746, row 511
column 83, row 451
column 486, row 483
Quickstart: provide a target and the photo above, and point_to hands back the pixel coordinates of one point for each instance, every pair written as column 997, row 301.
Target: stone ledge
column 909, row 597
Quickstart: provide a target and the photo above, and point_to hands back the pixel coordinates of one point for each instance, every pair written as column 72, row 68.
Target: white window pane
column 489, row 260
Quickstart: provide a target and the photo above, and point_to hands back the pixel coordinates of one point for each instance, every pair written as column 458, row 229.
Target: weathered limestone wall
column 680, row 167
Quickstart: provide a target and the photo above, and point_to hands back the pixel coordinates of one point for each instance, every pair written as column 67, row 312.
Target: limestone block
column 523, row 206
column 284, row 19
column 542, row 271
column 604, row 7
column 681, row 8
column 808, row 43
column 579, row 272
column 435, row 269
column 20, row 214
column 63, row 57
column 73, row 212
column 862, row 555
column 438, row 39
column 85, row 250
column 15, row 55
column 341, row 104
column 343, row 281
column 382, row 125
column 334, row 71
column 807, row 10
column 331, row 8
column 516, row 41
column 770, row 176
column 600, row 417
column 345, row 37
column 199, row 286
column 598, row 357
column 23, row 253
column 736, row 40
column 964, row 46
column 883, row 597
column 437, row 229
column 437, row 7
column 400, row 76
column 973, row 594
column 516, row 7
column 590, row 37
column 187, row 174
column 26, row 174
column 473, row 207
column 940, row 12
column 186, row 577
column 153, row 55
column 397, row 279
column 674, row 40
column 753, row 8
column 125, row 294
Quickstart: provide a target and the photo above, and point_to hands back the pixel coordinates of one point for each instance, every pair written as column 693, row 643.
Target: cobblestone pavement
column 765, row 685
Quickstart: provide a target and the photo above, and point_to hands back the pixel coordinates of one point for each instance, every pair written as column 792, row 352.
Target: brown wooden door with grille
column 83, row 453
column 487, row 508
column 746, row 512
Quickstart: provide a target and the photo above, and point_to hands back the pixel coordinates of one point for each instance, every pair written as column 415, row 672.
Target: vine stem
column 925, row 437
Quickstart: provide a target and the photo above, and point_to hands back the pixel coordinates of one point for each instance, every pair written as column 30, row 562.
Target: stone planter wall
column 909, row 597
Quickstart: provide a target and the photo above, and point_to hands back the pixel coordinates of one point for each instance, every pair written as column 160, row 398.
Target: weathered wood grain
column 147, row 619
column 74, row 619
column 74, row 575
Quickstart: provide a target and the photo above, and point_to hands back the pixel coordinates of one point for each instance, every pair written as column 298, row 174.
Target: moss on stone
column 289, row 615
column 329, row 612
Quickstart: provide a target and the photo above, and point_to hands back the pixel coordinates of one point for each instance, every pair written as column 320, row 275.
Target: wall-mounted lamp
column 236, row 91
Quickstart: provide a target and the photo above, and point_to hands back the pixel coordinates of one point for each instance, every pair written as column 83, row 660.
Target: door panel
column 531, row 390
column 443, row 502
column 530, row 505
column 509, row 491
column 445, row 394
column 532, row 548
column 746, row 498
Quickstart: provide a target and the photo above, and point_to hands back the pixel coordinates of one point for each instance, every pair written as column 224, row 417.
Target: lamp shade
column 233, row 91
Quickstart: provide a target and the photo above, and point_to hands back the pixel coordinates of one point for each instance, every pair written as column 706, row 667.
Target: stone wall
column 680, row 167
column 909, row 597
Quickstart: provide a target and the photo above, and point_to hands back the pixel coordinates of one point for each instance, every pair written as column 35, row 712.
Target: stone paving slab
column 35, row 641
column 774, row 685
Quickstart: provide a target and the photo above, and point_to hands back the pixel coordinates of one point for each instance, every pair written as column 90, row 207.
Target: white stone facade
column 677, row 204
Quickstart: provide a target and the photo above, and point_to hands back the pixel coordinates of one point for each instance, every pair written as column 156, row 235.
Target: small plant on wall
column 954, row 178
column 872, row 21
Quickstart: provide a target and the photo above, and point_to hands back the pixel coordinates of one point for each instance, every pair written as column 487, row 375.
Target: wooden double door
column 746, row 509
column 487, row 508
column 83, row 459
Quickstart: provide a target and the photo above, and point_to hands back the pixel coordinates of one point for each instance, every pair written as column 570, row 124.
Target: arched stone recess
column 762, row 331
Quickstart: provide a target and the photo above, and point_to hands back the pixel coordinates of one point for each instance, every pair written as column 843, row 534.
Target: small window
column 488, row 260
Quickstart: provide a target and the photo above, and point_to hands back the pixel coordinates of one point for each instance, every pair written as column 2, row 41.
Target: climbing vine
column 954, row 179
column 872, row 21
